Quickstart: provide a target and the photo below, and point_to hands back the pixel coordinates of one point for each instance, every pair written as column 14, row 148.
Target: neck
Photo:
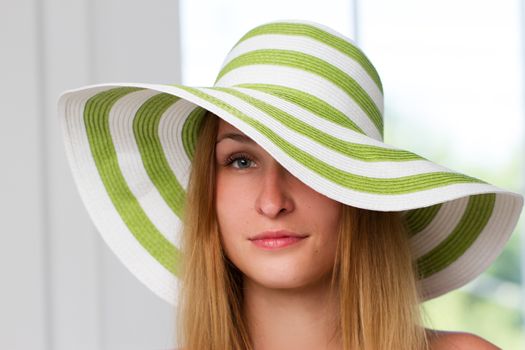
column 291, row 318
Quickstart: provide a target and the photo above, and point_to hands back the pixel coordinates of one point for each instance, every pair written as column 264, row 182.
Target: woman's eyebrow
column 236, row 137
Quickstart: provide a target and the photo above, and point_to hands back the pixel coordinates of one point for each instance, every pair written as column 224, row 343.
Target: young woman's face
column 255, row 194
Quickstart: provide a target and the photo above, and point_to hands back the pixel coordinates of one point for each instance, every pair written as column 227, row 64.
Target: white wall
column 61, row 288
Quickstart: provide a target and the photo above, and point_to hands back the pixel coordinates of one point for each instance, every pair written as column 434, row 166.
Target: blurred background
column 454, row 93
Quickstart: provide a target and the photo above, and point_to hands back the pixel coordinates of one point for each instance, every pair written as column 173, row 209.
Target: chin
column 289, row 281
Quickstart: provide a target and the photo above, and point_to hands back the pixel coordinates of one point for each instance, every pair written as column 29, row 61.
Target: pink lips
column 276, row 239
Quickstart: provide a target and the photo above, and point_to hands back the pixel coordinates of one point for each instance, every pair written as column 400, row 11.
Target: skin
column 442, row 340
column 287, row 303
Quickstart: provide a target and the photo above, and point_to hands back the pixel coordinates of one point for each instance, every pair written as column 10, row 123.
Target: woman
column 281, row 290
column 300, row 228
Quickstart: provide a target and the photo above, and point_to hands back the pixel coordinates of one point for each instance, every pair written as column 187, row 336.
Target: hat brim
column 130, row 147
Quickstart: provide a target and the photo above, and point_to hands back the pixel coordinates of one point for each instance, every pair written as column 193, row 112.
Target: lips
column 276, row 234
column 270, row 240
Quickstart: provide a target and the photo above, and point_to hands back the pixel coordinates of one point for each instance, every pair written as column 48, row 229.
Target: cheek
column 324, row 213
column 232, row 200
column 232, row 205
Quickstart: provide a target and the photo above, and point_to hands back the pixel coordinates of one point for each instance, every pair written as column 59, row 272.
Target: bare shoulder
column 445, row 340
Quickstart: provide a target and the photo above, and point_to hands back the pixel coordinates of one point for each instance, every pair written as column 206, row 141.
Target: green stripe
column 190, row 130
column 318, row 34
column 473, row 221
column 400, row 185
column 308, row 102
column 314, row 65
column 96, row 119
column 358, row 151
column 418, row 219
column 146, row 130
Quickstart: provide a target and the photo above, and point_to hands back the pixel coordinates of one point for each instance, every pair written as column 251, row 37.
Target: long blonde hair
column 373, row 274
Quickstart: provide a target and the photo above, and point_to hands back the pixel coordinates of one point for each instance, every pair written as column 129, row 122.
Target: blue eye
column 243, row 161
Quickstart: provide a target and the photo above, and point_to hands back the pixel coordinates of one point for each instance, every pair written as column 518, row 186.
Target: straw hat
column 312, row 99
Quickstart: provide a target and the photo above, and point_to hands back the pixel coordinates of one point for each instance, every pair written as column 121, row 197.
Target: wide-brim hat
column 310, row 98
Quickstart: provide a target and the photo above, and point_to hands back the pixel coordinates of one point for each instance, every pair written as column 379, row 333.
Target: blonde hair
column 373, row 274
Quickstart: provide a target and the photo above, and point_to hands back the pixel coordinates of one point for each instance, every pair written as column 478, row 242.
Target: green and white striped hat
column 312, row 99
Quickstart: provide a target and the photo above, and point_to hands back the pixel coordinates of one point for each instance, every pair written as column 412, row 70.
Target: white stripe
column 481, row 253
column 380, row 202
column 306, row 82
column 121, row 119
column 439, row 228
column 322, row 185
column 98, row 204
column 325, row 154
column 316, row 49
column 170, row 131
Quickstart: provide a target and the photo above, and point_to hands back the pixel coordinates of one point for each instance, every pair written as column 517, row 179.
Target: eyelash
column 234, row 157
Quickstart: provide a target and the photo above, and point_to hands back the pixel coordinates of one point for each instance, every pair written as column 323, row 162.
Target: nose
column 274, row 197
